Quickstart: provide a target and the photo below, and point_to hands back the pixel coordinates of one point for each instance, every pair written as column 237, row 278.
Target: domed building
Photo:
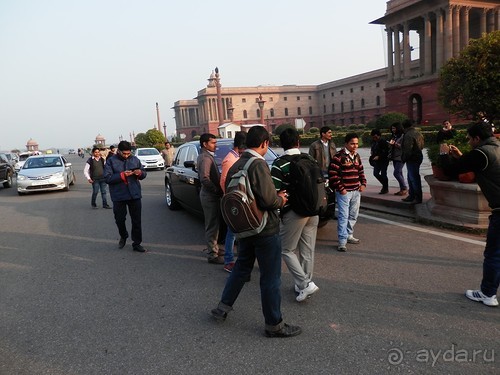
column 100, row 141
column 32, row 145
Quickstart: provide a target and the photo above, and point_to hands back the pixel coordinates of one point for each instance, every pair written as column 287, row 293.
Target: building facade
column 441, row 29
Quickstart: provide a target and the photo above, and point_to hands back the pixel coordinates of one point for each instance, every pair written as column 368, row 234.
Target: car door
column 176, row 174
column 4, row 165
column 191, row 180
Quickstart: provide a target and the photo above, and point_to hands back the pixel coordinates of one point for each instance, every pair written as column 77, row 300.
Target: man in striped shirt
column 347, row 177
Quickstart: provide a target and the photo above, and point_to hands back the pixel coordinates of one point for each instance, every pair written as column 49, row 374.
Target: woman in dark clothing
column 395, row 156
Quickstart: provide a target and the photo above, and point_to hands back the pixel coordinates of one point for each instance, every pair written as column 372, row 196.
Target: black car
column 6, row 171
column 182, row 185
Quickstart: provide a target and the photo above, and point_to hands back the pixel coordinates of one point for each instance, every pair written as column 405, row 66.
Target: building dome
column 32, row 145
column 100, row 140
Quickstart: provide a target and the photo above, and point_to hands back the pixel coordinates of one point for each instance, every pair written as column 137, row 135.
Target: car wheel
column 20, row 193
column 169, row 197
column 8, row 183
column 66, row 187
column 73, row 180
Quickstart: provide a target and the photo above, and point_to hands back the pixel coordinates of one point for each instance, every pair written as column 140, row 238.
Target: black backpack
column 307, row 186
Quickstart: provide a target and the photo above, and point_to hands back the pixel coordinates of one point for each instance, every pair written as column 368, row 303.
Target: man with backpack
column 297, row 173
column 265, row 246
column 347, row 177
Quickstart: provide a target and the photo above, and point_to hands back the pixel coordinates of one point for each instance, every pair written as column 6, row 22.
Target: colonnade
column 443, row 33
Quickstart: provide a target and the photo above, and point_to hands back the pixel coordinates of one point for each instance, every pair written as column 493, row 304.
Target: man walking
column 210, row 195
column 484, row 161
column 94, row 173
column 297, row 233
column 379, row 159
column 264, row 246
column 347, row 177
column 323, row 150
column 168, row 154
column 411, row 154
column 123, row 173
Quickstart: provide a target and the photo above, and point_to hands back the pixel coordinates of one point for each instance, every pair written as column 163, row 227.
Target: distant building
column 32, row 145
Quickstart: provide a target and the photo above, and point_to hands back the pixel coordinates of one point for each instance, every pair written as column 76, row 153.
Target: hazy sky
column 71, row 69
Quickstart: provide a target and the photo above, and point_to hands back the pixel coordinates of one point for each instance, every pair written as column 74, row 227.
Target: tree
column 470, row 84
column 152, row 138
column 385, row 121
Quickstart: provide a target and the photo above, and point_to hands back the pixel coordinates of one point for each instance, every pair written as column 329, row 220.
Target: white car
column 150, row 158
column 45, row 173
column 21, row 159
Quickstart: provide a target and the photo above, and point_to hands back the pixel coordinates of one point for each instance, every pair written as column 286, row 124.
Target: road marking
column 423, row 230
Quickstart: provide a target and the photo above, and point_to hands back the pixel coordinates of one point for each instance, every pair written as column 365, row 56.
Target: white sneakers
column 352, row 240
column 306, row 292
column 477, row 295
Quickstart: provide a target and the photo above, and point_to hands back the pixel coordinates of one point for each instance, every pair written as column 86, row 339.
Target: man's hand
column 90, row 181
column 284, row 196
column 362, row 188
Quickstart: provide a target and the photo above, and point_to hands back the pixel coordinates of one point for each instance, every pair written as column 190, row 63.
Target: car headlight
column 58, row 174
column 21, row 177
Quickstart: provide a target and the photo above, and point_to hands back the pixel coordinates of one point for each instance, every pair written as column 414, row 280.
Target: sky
column 72, row 69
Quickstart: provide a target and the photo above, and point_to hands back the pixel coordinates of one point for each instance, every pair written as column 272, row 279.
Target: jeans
column 348, row 210
column 134, row 209
column 229, row 246
column 267, row 251
column 380, row 173
column 97, row 185
column 491, row 264
column 298, row 240
column 398, row 174
column 414, row 181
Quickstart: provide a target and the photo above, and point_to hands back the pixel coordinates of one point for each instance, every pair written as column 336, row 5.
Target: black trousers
column 134, row 209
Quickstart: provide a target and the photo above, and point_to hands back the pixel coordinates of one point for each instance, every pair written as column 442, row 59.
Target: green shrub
column 313, row 130
column 385, row 121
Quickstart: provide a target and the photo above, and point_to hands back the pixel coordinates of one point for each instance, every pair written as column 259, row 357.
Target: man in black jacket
column 379, row 159
column 484, row 161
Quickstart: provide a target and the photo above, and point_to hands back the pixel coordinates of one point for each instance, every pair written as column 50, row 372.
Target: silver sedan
column 45, row 173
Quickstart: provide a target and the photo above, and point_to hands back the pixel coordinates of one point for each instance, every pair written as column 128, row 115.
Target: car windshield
column 224, row 148
column 23, row 157
column 42, row 163
column 147, row 152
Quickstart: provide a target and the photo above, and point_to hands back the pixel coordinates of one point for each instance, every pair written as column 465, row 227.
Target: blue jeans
column 96, row 186
column 414, row 180
column 134, row 209
column 229, row 246
column 491, row 264
column 380, row 173
column 398, row 174
column 348, row 210
column 267, row 251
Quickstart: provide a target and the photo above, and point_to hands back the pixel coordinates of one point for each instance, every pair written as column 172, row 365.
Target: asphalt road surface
column 71, row 302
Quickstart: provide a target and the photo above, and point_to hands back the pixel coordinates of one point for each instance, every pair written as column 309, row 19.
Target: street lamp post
column 261, row 102
column 165, row 130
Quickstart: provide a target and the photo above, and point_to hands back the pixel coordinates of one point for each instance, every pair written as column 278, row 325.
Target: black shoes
column 106, row 206
column 94, row 205
column 384, row 191
column 285, row 331
column 139, row 248
column 214, row 259
column 219, row 314
column 121, row 243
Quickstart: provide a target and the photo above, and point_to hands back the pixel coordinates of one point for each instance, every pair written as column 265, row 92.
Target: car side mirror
column 190, row 164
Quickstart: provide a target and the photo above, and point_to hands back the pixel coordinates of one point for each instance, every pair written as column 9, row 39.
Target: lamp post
column 261, row 102
column 165, row 130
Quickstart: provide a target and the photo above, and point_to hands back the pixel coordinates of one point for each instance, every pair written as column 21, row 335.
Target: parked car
column 45, row 173
column 150, row 158
column 6, row 171
column 182, row 185
column 71, row 151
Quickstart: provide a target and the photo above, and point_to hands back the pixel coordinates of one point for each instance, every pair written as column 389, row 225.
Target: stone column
column 491, row 20
column 427, row 45
column 397, row 54
column 448, row 39
column 465, row 27
column 406, row 50
column 439, row 39
column 456, row 30
column 390, row 52
column 483, row 21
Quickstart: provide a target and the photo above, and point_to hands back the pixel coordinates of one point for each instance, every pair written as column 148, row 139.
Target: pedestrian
column 484, row 161
column 446, row 132
column 264, row 246
column 210, row 194
column 347, row 177
column 123, row 173
column 395, row 155
column 94, row 173
column 323, row 150
column 411, row 147
column 229, row 160
column 297, row 232
column 112, row 151
column 379, row 159
column 168, row 154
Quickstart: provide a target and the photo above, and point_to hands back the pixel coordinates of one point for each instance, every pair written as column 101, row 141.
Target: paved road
column 72, row 303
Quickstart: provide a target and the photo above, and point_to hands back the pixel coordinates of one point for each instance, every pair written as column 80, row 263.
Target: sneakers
column 121, row 243
column 308, row 291
column 285, row 331
column 107, row 207
column 352, row 240
column 94, row 205
column 219, row 314
column 229, row 267
column 138, row 248
column 477, row 295
column 342, row 248
column 214, row 259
